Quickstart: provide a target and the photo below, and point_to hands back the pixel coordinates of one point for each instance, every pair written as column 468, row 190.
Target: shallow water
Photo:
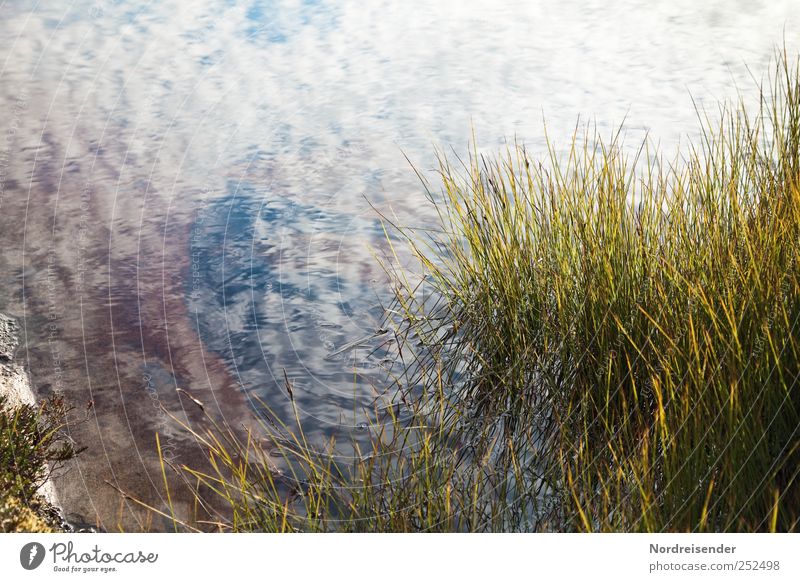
column 185, row 187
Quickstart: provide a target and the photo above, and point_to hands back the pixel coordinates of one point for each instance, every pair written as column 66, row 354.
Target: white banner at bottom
column 388, row 557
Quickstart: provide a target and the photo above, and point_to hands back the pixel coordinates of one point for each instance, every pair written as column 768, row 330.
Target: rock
column 15, row 386
column 14, row 383
column 9, row 338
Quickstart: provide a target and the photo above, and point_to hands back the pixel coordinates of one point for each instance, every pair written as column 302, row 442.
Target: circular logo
column 31, row 555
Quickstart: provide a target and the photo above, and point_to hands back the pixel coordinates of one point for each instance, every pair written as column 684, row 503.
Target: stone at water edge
column 9, row 339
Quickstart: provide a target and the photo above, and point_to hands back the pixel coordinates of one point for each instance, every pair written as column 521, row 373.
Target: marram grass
column 608, row 342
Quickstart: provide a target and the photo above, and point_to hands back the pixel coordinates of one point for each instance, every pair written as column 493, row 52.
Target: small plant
column 32, row 445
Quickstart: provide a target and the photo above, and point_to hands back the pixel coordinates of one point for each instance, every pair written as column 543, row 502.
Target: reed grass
column 603, row 340
column 642, row 314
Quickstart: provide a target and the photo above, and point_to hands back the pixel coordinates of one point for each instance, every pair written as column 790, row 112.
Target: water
column 185, row 187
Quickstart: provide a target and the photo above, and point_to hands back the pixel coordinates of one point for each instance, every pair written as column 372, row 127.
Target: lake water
column 186, row 187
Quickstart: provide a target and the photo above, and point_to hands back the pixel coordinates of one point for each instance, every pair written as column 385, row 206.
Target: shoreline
column 16, row 386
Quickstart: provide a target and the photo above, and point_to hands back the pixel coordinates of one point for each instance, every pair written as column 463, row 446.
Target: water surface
column 185, row 187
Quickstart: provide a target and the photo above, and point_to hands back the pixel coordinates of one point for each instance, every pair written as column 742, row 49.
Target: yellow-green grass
column 642, row 314
column 602, row 341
